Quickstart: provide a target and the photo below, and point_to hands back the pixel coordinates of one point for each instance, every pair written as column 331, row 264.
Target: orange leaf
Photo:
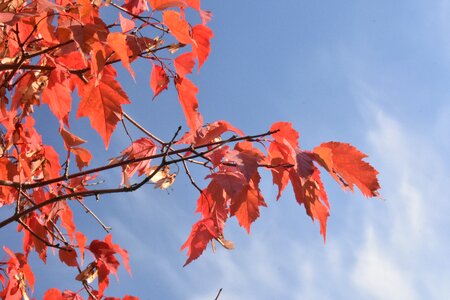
column 285, row 132
column 117, row 41
column 245, row 206
column 178, row 26
column 187, row 92
column 53, row 294
column 163, row 4
column 202, row 36
column 345, row 163
column 126, row 24
column 195, row 4
column 310, row 192
column 68, row 255
column 82, row 157
column 70, row 140
column 136, row 6
column 81, row 240
column 201, row 234
column 57, row 94
column 184, row 64
column 102, row 104
column 158, row 80
column 208, row 133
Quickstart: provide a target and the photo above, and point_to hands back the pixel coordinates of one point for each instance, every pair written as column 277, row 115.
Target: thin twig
column 90, row 193
column 218, row 294
column 88, row 210
column 24, row 225
column 126, row 162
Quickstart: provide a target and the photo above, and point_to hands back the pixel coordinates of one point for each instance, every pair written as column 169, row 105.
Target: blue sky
column 372, row 73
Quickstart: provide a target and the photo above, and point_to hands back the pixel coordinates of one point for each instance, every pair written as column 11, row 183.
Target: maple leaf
column 202, row 36
column 117, row 41
column 122, row 252
column 345, row 164
column 68, row 255
column 31, row 241
column 285, row 132
column 57, row 94
column 140, row 148
column 70, row 140
column 66, row 215
column 81, row 240
column 310, row 192
column 54, row 294
column 163, row 4
column 201, row 234
column 245, row 206
column 184, row 63
column 102, row 104
column 82, row 156
column 208, row 133
column 187, row 92
column 126, row 24
column 178, row 26
column 158, row 80
column 136, row 7
column 71, row 295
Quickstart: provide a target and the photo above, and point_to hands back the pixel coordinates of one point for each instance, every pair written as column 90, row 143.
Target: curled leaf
column 89, row 273
column 162, row 178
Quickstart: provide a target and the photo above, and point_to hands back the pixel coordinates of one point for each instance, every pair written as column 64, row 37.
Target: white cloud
column 403, row 247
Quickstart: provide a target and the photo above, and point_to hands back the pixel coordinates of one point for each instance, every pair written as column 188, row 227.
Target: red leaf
column 68, row 255
column 195, row 4
column 202, row 36
column 285, row 132
column 53, row 294
column 136, row 6
column 126, row 24
column 57, row 94
column 201, row 234
column 208, row 133
column 30, row 241
column 117, row 41
column 70, row 140
column 127, row 297
column 345, row 163
column 102, row 104
column 51, row 167
column 82, row 157
column 140, row 148
column 81, row 240
column 280, row 154
column 212, row 203
column 163, row 4
column 187, row 92
column 310, row 192
column 103, row 280
column 122, row 252
column 245, row 206
column 71, row 295
column 184, row 64
column 178, row 26
column 66, row 215
column 158, row 80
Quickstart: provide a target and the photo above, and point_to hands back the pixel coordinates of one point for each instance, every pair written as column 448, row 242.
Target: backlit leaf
column 187, row 94
column 158, row 80
column 178, row 26
column 102, row 104
column 345, row 163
